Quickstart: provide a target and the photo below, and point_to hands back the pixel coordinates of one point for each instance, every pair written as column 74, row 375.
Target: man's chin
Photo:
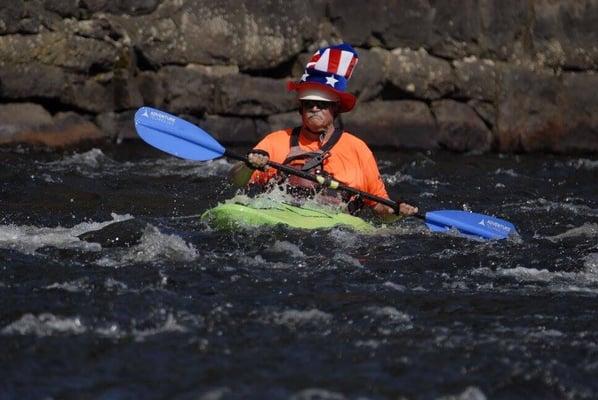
column 316, row 128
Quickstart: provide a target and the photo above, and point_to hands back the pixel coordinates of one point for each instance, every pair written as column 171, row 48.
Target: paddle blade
column 176, row 136
column 469, row 223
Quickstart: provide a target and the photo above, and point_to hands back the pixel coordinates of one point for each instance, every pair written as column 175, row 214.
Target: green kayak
column 233, row 215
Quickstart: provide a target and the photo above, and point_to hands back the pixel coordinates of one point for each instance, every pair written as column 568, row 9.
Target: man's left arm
column 376, row 186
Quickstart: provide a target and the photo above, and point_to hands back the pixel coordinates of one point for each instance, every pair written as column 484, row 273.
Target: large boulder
column 540, row 110
column 489, row 29
column 255, row 35
column 283, row 121
column 460, row 128
column 31, row 124
column 565, row 34
column 117, row 126
column 19, row 117
column 94, row 95
column 419, row 74
column 32, row 80
column 579, row 113
column 529, row 114
column 186, row 90
column 396, row 124
column 369, row 77
column 61, row 49
column 451, row 29
column 252, row 96
column 131, row 7
column 475, row 78
column 391, row 24
column 233, row 130
column 27, row 17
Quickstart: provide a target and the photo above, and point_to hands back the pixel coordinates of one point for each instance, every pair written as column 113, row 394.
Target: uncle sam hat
column 326, row 76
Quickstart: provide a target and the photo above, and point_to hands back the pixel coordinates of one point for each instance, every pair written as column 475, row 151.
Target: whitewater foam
column 28, row 238
column 154, row 246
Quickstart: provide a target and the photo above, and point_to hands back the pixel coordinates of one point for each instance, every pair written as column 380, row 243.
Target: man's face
column 317, row 115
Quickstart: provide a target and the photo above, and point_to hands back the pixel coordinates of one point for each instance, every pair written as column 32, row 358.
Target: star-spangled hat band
column 329, row 70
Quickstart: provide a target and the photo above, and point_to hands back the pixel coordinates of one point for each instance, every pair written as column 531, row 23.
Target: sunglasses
column 320, row 105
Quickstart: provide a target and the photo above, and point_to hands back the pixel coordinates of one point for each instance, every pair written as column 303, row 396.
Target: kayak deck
column 233, row 215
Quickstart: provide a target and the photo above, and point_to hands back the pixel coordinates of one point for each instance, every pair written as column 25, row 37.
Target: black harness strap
column 313, row 158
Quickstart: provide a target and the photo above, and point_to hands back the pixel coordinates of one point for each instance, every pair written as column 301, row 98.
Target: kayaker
column 317, row 146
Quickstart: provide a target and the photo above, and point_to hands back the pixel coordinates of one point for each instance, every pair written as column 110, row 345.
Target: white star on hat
column 304, row 76
column 330, row 80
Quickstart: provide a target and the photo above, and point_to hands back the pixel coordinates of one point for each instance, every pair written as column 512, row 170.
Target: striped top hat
column 326, row 76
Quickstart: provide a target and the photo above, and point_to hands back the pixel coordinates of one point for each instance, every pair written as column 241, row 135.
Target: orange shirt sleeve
column 373, row 179
column 277, row 146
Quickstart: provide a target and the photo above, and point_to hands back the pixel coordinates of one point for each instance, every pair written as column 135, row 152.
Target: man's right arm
column 241, row 172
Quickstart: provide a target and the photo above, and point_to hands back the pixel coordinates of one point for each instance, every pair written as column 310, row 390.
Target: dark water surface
column 187, row 312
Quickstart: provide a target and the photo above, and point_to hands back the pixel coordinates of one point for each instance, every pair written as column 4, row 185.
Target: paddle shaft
column 324, row 181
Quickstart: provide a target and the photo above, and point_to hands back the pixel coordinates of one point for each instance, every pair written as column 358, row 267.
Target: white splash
column 47, row 324
column 586, row 230
column 28, row 238
column 44, row 325
column 92, row 158
column 343, row 238
column 295, row 318
column 258, row 261
column 548, row 206
column 509, row 172
column 346, row 260
column 94, row 163
column 585, row 280
column 584, row 163
column 590, row 263
column 170, row 325
column 470, row 393
column 389, row 320
column 317, row 393
column 172, row 166
column 288, row 248
column 399, row 177
column 73, row 286
column 394, row 286
column 153, row 246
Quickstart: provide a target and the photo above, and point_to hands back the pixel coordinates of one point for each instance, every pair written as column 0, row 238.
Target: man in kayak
column 317, row 147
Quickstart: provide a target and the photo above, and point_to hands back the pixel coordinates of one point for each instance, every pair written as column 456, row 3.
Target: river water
column 167, row 308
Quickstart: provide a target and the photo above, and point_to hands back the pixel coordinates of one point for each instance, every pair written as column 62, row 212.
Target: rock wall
column 466, row 75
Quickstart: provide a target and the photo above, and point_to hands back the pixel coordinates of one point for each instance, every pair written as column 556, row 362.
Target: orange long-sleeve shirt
column 350, row 161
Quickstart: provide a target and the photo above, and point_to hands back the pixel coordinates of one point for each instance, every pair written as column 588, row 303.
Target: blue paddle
column 180, row 138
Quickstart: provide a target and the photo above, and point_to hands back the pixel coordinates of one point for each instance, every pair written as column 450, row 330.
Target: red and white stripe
column 334, row 61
